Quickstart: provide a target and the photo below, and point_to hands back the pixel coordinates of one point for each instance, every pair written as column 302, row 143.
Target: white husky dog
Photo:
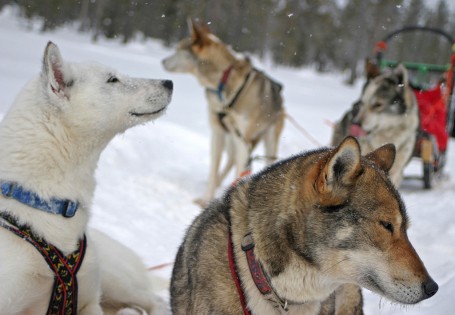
column 51, row 140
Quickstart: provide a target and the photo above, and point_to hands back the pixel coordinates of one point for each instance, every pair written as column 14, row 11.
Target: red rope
column 303, row 130
column 160, row 266
column 236, row 278
column 225, row 75
column 244, row 173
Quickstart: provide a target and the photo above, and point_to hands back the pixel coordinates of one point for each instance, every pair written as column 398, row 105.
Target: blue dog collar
column 64, row 207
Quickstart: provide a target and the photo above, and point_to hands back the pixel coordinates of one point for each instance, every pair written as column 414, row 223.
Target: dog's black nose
column 168, row 84
column 430, row 288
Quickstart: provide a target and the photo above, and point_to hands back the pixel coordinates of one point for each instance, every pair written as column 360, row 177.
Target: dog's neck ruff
column 261, row 280
column 63, row 300
column 64, row 207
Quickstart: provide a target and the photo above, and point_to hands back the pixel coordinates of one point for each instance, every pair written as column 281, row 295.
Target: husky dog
column 51, row 140
column 286, row 238
column 342, row 128
column 126, row 284
column 387, row 112
column 245, row 105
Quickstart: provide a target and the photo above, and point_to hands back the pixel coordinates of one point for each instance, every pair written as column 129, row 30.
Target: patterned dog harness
column 64, row 294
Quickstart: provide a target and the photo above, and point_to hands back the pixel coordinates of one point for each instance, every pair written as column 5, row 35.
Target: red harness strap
column 226, row 74
column 223, row 81
column 64, row 294
column 260, row 278
column 235, row 276
column 257, row 273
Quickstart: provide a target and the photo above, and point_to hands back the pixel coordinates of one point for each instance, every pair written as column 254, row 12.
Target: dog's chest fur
column 257, row 207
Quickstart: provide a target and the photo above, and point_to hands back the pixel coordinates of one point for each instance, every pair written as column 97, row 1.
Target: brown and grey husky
column 387, row 112
column 283, row 240
column 245, row 105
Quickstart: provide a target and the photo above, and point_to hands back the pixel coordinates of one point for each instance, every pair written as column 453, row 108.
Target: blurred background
column 329, row 35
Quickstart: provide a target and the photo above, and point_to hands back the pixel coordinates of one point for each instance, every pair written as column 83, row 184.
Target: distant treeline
column 327, row 34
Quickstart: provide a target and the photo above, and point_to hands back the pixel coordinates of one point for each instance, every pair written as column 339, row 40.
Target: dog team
column 300, row 237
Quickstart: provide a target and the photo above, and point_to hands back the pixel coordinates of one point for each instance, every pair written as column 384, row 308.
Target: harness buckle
column 69, row 208
column 247, row 242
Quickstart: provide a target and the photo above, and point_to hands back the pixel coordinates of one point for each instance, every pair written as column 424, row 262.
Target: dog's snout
column 168, row 84
column 430, row 288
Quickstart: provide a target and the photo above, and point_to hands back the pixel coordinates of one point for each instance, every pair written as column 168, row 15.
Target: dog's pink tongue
column 357, row 131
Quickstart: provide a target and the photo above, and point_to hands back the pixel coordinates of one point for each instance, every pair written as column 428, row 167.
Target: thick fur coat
column 51, row 140
column 319, row 220
column 386, row 112
column 244, row 110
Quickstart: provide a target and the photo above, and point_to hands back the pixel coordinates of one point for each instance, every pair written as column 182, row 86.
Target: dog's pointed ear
column 190, row 23
column 198, row 33
column 401, row 74
column 54, row 71
column 383, row 156
column 342, row 168
column 372, row 70
column 195, row 32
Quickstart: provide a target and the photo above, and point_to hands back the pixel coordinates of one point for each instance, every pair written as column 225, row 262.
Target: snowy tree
column 325, row 34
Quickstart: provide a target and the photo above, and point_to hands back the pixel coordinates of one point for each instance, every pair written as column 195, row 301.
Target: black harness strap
column 236, row 96
column 221, row 116
column 239, row 91
column 63, row 300
column 225, row 111
column 231, row 104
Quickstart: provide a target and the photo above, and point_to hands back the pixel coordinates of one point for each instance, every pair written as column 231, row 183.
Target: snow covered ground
column 148, row 177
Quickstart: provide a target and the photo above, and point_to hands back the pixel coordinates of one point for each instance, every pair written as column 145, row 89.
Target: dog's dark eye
column 387, row 225
column 333, row 208
column 376, row 105
column 113, row 79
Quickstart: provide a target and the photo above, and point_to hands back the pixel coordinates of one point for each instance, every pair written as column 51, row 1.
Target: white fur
column 51, row 140
column 124, row 280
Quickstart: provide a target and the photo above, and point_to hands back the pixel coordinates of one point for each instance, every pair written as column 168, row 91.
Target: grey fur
column 387, row 112
column 310, row 216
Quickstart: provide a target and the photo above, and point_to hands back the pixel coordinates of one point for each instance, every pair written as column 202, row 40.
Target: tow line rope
column 303, row 131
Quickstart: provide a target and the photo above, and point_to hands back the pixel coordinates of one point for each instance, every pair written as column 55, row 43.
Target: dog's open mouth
column 149, row 113
column 357, row 131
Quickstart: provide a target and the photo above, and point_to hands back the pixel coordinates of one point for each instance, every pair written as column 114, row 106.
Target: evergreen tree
column 327, row 34
column 437, row 50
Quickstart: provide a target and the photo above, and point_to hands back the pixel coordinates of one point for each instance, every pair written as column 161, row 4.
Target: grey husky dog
column 287, row 238
column 386, row 112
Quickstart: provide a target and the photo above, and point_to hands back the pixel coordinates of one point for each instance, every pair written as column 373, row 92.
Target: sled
column 435, row 98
